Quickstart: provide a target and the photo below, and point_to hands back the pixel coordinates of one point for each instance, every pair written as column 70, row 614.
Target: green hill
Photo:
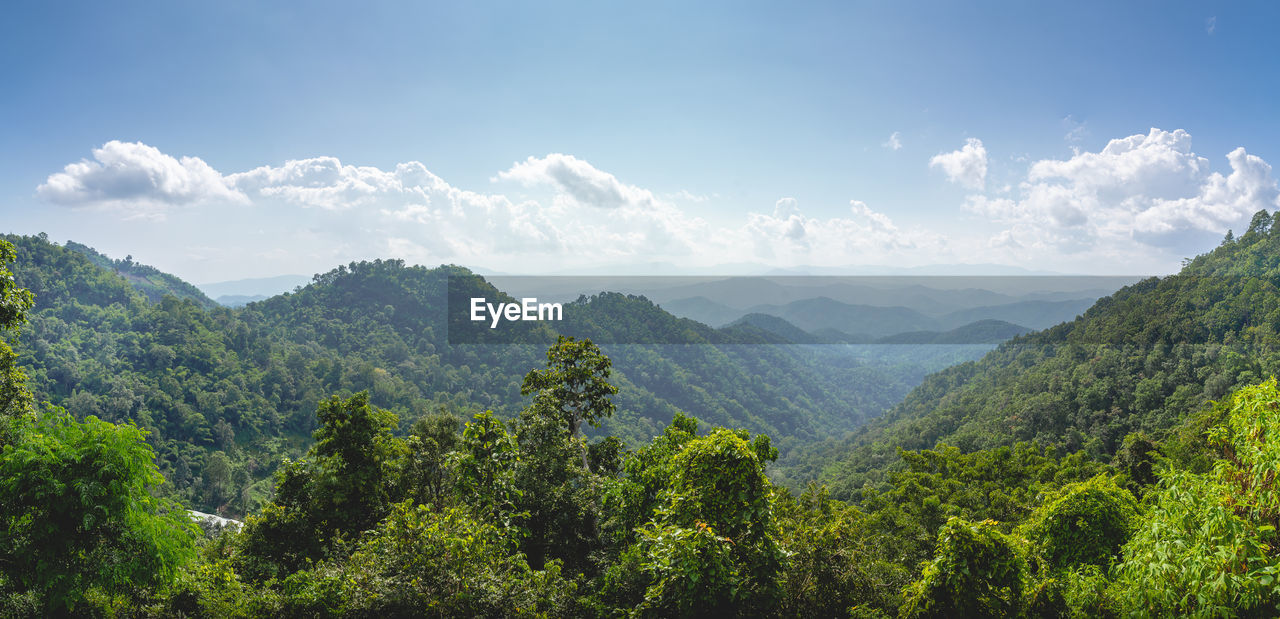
column 1167, row 507
column 1141, row 360
column 148, row 280
column 226, row 393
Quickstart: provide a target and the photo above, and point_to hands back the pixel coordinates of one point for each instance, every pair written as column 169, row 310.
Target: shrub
column 976, row 572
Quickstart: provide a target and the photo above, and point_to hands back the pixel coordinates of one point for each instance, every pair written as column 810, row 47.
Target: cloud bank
column 1150, row 190
column 1139, row 196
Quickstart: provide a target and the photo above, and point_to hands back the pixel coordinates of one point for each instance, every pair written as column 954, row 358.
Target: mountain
column 1037, row 314
column 1139, row 361
column 227, row 393
column 826, row 313
column 978, row 332
column 786, row 331
column 148, row 280
column 261, row 287
column 238, row 300
column 703, row 310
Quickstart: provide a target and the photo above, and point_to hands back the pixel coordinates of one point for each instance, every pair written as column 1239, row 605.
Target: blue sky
column 228, row 140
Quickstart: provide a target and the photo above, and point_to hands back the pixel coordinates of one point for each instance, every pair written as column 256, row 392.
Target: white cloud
column 578, row 181
column 894, row 142
column 1211, row 25
column 864, row 236
column 1076, row 131
column 1135, row 194
column 684, row 195
column 1147, row 189
column 324, row 182
column 138, row 179
column 786, row 207
column 967, row 166
column 321, row 210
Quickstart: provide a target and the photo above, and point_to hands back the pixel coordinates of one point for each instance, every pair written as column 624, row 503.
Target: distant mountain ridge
column 1138, row 361
column 254, row 288
column 987, row 331
column 227, row 393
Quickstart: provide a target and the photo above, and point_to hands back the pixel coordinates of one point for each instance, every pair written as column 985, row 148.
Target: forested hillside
column 1140, row 361
column 1114, row 502
column 227, row 393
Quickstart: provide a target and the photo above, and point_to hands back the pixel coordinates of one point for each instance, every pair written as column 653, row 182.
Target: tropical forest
column 329, row 453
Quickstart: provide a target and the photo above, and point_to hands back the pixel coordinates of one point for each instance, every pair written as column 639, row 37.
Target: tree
column 577, row 382
column 1260, row 224
column 78, row 512
column 977, row 572
column 342, row 488
column 355, row 452
column 1084, row 524
column 485, row 467
column 559, row 497
column 1207, row 545
column 15, row 400
column 421, row 562
column 426, row 474
column 712, row 547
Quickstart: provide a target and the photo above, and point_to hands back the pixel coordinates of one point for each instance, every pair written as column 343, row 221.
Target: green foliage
column 635, row 498
column 977, row 572
column 343, row 488
column 718, row 513
column 1004, row 484
column 419, row 562
column 558, row 496
column 426, row 474
column 1082, row 591
column 15, row 301
column 15, row 400
column 212, row 588
column 1136, row 459
column 693, row 572
column 355, row 454
column 1085, row 523
column 1207, row 546
column 283, row 536
column 486, row 466
column 1139, row 361
column 835, row 559
column 78, row 513
column 576, row 383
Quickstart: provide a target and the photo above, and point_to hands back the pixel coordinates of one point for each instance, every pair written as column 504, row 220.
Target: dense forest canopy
column 226, row 393
column 1139, row 361
column 1121, row 464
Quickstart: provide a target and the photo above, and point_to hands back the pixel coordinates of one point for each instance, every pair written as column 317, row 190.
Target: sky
column 229, row 140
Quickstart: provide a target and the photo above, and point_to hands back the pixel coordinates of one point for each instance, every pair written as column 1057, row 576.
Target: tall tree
column 15, row 400
column 577, row 383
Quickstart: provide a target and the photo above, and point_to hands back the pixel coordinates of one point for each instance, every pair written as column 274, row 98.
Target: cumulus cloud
column 1147, row 188
column 967, row 166
column 863, row 236
column 324, row 182
column 578, row 181
column 894, row 142
column 333, row 211
column 137, row 178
